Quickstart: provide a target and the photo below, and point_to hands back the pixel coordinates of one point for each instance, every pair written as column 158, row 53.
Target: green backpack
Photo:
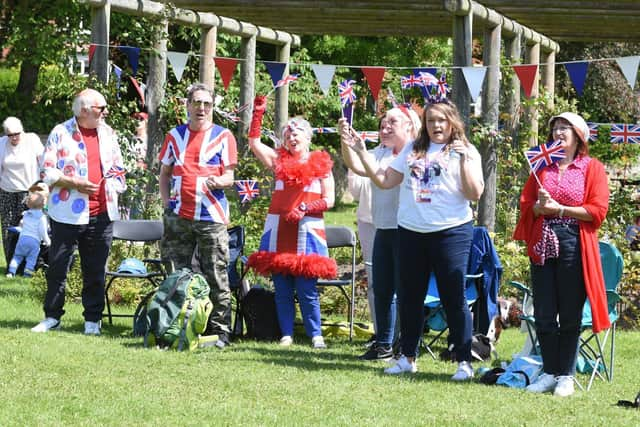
column 176, row 313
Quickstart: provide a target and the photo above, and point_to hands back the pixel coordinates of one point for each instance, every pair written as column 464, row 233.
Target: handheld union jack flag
column 290, row 78
column 410, row 81
column 347, row 94
column 593, row 131
column 369, row 136
column 247, row 189
column 116, row 172
column 622, row 133
column 428, row 79
column 324, row 130
column 544, row 155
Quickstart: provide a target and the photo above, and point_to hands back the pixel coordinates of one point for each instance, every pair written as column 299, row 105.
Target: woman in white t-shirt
column 438, row 174
column 20, row 153
column 398, row 126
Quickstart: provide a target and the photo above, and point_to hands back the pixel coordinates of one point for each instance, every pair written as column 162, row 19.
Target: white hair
column 12, row 124
column 298, row 123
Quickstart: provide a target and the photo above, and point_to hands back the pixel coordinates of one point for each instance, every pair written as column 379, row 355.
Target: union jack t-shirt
column 195, row 156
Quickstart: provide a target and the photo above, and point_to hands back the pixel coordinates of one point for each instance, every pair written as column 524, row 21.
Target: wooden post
column 100, row 23
column 462, row 45
column 156, row 83
column 490, row 115
column 247, row 88
column 532, row 56
column 513, row 51
column 549, row 76
column 208, row 51
column 282, row 93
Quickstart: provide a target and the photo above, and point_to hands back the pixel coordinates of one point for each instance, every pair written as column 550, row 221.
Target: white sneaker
column 9, row 275
column 318, row 342
column 286, row 341
column 544, row 383
column 564, row 387
column 47, row 325
column 464, row 372
column 92, row 328
column 402, row 365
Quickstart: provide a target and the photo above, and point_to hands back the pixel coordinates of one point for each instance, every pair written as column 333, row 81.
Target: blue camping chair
column 591, row 347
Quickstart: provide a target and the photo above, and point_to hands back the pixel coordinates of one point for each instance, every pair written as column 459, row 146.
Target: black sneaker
column 377, row 352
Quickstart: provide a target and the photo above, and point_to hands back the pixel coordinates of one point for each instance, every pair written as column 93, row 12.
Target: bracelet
column 561, row 212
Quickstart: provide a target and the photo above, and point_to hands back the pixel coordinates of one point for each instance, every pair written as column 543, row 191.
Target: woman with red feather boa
column 293, row 248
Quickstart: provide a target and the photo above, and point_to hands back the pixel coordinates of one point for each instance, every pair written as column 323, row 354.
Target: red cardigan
column 596, row 202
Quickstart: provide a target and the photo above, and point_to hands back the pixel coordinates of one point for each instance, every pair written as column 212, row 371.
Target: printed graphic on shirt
column 426, row 175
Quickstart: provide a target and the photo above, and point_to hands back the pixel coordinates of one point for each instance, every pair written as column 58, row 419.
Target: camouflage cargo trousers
column 202, row 246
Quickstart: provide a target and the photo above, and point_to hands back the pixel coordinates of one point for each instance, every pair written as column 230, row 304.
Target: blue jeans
column 385, row 282
column 309, row 300
column 93, row 241
column 558, row 298
column 446, row 253
column 27, row 249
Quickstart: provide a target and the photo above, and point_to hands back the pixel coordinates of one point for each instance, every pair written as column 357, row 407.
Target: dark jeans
column 11, row 208
column 558, row 299
column 446, row 253
column 93, row 241
column 385, row 281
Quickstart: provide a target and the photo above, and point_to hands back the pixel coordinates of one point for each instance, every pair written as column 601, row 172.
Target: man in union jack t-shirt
column 197, row 161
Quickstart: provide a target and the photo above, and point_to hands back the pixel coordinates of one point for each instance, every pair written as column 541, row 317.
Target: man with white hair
column 82, row 165
column 20, row 153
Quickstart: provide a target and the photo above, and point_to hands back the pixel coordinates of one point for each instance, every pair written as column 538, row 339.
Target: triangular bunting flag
column 118, row 72
column 374, row 77
column 416, row 72
column 474, row 76
column 275, row 70
column 629, row 67
column 226, row 68
column 92, row 50
column 178, row 61
column 324, row 75
column 133, row 54
column 527, row 75
column 578, row 74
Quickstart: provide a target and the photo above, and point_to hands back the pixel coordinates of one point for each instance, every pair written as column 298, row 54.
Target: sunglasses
column 13, row 135
column 100, row 108
column 205, row 104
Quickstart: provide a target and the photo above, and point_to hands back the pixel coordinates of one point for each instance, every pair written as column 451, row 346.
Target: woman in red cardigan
column 559, row 222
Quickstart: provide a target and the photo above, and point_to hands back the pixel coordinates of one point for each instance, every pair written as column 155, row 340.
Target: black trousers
column 93, row 242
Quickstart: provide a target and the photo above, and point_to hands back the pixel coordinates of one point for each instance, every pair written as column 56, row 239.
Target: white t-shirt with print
column 431, row 196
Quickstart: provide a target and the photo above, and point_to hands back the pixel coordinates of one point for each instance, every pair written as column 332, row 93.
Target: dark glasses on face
column 13, row 135
column 205, row 104
column 100, row 108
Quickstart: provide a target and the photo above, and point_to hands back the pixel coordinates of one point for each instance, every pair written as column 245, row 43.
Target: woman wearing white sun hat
column 559, row 222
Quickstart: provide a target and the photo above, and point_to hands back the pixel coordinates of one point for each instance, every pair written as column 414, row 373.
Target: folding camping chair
column 337, row 237
column 591, row 347
column 136, row 231
column 236, row 271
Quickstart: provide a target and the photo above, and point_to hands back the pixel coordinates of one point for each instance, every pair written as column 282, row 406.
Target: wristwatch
column 303, row 207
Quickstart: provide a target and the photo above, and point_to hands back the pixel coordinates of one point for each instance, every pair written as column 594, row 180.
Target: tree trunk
column 28, row 79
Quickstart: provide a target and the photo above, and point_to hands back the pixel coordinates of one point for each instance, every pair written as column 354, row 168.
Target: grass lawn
column 65, row 378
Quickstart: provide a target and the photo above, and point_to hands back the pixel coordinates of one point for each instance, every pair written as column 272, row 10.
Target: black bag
column 259, row 312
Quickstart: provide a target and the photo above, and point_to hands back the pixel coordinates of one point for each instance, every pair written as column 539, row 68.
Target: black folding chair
column 337, row 237
column 136, row 230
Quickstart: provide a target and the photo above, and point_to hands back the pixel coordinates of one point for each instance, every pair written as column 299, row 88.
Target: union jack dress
column 298, row 248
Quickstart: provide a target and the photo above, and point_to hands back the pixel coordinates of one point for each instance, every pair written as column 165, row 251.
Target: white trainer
column 564, row 387
column 47, row 325
column 402, row 366
column 286, row 341
column 92, row 328
column 544, row 383
column 318, row 342
column 464, row 372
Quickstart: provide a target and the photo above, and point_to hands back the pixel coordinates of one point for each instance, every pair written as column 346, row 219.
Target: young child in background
column 34, row 230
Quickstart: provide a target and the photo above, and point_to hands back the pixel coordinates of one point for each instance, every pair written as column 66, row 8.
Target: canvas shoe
column 286, row 341
column 9, row 275
column 402, row 366
column 47, row 325
column 564, row 386
column 318, row 342
column 464, row 372
column 92, row 328
column 377, row 352
column 544, row 383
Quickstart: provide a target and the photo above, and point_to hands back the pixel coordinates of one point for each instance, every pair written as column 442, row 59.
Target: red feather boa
column 288, row 168
column 312, row 265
